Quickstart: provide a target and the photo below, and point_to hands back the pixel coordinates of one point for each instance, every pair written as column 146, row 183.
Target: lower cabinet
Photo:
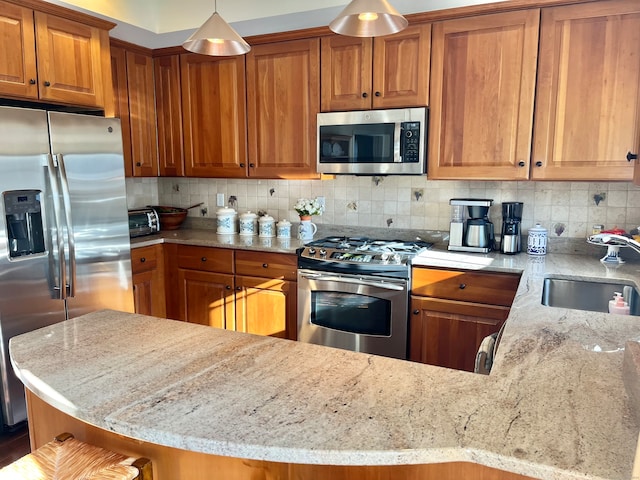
column 147, row 266
column 253, row 292
column 452, row 311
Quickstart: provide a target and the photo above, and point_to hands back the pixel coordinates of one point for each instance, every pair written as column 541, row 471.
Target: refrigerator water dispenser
column 25, row 234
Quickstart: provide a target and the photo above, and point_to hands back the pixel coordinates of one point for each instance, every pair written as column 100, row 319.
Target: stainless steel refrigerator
column 64, row 234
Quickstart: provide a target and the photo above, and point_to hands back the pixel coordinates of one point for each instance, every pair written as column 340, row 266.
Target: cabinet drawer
column 206, row 259
column 268, row 265
column 144, row 259
column 468, row 286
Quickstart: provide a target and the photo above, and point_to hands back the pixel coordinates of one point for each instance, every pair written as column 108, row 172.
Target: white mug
column 306, row 230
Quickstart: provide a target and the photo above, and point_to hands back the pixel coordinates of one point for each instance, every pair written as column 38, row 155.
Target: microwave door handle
column 66, row 198
column 356, row 281
column 397, row 146
column 59, row 240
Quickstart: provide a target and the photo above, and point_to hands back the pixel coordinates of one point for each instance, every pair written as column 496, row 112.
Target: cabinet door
column 148, row 280
column 206, row 298
column 69, row 61
column 142, row 115
column 18, row 76
column 169, row 116
column 346, row 73
column 482, row 92
column 401, row 68
column 449, row 333
column 266, row 306
column 283, row 97
column 588, row 99
column 121, row 103
column 214, row 109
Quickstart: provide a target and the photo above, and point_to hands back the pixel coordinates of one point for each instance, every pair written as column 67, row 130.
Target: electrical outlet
column 220, row 199
column 321, row 201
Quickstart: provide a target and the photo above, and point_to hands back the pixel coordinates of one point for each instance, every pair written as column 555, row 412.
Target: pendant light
column 368, row 18
column 216, row 37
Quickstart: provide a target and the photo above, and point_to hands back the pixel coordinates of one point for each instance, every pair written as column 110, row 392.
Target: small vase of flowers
column 307, row 207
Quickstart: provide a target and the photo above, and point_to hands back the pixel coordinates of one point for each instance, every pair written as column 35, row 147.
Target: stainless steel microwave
column 373, row 142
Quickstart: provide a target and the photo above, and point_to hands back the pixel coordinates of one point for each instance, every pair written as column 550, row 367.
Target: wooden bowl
column 171, row 217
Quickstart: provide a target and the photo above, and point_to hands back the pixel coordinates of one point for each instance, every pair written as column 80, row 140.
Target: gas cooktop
column 360, row 254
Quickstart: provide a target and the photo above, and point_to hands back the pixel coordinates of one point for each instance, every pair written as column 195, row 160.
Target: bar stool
column 66, row 458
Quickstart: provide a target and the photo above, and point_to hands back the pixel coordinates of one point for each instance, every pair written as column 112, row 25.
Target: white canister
column 537, row 241
column 226, row 220
column 284, row 229
column 267, row 226
column 248, row 223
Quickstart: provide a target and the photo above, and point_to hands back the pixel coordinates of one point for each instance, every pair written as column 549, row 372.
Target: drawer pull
column 228, row 287
column 463, row 286
column 203, row 259
column 142, row 260
column 416, row 312
column 47, row 84
column 265, row 265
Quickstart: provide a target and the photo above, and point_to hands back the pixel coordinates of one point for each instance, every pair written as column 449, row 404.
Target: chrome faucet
column 614, row 240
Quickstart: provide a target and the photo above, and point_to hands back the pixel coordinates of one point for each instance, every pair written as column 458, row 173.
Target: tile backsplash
column 567, row 209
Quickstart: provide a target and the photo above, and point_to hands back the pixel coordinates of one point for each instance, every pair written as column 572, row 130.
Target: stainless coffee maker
column 476, row 233
column 511, row 236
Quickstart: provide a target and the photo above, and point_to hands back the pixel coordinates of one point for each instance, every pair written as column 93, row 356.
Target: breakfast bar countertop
column 554, row 407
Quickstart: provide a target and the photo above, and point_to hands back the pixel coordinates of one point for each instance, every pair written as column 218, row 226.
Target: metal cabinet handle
column 538, row 163
column 416, row 312
column 265, row 265
column 203, row 259
column 631, row 156
column 463, row 286
column 32, row 81
column 377, row 94
column 365, row 94
column 238, row 288
column 138, row 164
column 521, row 163
column 252, row 165
column 228, row 287
column 47, row 84
column 142, row 260
column 242, row 165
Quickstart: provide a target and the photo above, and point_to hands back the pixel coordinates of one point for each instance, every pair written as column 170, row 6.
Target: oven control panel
column 335, row 255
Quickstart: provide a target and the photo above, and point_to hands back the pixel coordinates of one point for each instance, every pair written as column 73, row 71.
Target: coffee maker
column 511, row 235
column 476, row 233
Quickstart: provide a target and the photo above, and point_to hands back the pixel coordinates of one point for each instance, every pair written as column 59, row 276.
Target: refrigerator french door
column 64, row 235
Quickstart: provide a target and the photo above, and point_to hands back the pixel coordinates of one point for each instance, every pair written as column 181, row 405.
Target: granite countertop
column 554, row 407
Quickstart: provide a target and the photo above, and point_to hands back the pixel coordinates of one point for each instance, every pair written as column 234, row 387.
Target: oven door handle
column 356, row 281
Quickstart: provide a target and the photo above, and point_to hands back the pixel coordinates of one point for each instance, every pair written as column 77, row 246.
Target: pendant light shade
column 216, row 37
column 368, row 18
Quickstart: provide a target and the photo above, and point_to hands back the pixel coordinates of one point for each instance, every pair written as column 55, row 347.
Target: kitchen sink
column 585, row 294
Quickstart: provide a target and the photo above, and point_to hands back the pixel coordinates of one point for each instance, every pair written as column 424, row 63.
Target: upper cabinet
column 214, row 116
column 53, row 59
column 482, row 94
column 283, row 99
column 384, row 72
column 133, row 85
column 588, row 99
column 169, row 115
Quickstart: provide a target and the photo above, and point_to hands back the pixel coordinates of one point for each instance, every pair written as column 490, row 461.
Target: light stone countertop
column 554, row 406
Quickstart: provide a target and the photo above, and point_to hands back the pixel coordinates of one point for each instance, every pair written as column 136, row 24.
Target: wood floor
column 14, row 445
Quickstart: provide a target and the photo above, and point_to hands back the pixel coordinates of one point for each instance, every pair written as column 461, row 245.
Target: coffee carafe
column 511, row 236
column 476, row 234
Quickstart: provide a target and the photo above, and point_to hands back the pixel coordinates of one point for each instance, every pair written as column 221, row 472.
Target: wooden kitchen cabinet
column 169, row 115
column 483, row 76
column 283, row 98
column 383, row 72
column 452, row 311
column 147, row 266
column 214, row 116
column 588, row 95
column 133, row 86
column 53, row 59
column 266, row 293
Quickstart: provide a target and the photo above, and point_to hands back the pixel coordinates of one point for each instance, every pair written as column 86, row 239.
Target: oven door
column 353, row 312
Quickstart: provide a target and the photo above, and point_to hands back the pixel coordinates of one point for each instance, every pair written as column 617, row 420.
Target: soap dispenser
column 618, row 305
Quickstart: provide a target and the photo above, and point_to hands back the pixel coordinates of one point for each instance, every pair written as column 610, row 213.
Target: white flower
column 308, row 207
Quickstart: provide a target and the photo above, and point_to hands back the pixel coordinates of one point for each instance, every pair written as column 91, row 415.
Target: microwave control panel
column 410, row 144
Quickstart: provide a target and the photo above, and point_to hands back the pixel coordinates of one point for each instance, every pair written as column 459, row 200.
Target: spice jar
column 537, row 241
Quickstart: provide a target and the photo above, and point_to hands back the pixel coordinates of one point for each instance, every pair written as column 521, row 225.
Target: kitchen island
column 554, row 406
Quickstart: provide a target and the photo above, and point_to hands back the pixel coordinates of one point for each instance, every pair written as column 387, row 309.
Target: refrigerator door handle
column 62, row 263
column 66, row 199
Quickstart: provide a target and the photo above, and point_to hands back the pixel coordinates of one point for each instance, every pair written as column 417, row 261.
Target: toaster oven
column 143, row 221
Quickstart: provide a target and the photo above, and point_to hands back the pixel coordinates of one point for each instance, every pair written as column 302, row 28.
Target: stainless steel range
column 353, row 293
